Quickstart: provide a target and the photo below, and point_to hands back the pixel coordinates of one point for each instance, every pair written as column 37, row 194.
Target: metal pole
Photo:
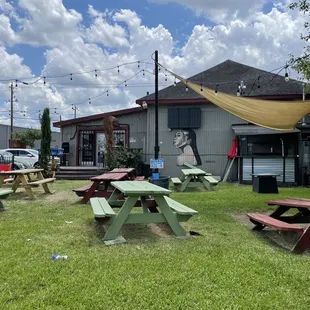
column 303, row 99
column 156, row 148
column 12, row 100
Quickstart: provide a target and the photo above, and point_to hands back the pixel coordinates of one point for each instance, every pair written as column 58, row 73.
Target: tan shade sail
column 280, row 115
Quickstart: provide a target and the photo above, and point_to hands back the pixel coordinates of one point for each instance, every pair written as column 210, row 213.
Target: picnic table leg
column 185, row 182
column 15, row 183
column 23, row 182
column 45, row 186
column 1, row 179
column 170, row 217
column 303, row 242
column 206, row 184
column 90, row 192
column 120, row 219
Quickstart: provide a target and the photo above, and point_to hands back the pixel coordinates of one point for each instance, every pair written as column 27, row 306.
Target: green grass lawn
column 226, row 267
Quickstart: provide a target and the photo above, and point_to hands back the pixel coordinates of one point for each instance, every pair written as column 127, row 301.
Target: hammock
column 279, row 115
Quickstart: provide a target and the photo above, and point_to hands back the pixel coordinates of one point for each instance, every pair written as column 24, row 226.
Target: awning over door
column 251, row 130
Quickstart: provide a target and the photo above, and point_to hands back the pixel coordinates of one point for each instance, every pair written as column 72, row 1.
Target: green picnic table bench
column 138, row 193
column 194, row 178
column 4, row 193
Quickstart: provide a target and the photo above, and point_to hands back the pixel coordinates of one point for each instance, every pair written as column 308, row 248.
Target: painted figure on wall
column 186, row 141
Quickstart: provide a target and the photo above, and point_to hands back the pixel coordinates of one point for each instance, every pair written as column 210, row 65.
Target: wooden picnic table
column 194, row 178
column 278, row 220
column 25, row 178
column 100, row 186
column 137, row 193
column 130, row 171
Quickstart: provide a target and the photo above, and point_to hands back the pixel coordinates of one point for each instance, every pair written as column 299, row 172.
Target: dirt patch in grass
column 276, row 238
column 60, row 196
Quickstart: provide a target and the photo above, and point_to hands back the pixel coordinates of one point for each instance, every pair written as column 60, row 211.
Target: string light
column 125, row 84
column 286, row 77
column 118, row 69
column 71, row 76
column 258, row 84
column 89, row 101
column 186, row 87
column 96, row 75
column 138, row 64
column 175, row 82
column 143, row 73
column 238, row 90
column 15, row 83
column 216, row 88
column 44, row 82
column 107, row 93
column 201, row 87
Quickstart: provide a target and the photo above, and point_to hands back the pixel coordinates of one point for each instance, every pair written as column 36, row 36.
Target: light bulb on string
column 138, row 64
column 89, row 101
column 96, row 74
column 55, row 111
column 238, row 90
column 71, row 76
column 258, row 84
column 286, row 78
column 216, row 89
column 166, row 78
column 44, row 82
column 15, row 83
column 118, row 69
column 125, row 83
column 175, row 82
column 201, row 87
column 107, row 93
column 143, row 73
column 186, row 88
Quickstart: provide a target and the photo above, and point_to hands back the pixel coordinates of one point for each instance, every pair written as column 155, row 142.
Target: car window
column 34, row 152
column 14, row 152
column 23, row 153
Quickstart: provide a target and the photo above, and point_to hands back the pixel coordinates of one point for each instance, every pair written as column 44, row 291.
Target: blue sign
column 157, row 163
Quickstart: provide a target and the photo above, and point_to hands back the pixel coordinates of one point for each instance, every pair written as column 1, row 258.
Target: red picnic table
column 130, row 171
column 278, row 220
column 101, row 185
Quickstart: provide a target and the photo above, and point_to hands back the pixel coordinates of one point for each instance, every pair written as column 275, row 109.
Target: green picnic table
column 138, row 193
column 194, row 178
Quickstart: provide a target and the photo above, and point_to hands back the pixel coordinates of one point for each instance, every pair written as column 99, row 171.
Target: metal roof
column 251, row 130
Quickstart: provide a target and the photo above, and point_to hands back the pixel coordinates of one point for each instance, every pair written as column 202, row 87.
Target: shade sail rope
column 273, row 114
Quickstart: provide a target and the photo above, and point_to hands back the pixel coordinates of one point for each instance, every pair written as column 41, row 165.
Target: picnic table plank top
column 195, row 171
column 110, row 176
column 119, row 170
column 291, row 202
column 140, row 187
column 21, row 171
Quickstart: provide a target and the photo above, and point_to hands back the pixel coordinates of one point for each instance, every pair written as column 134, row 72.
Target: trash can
column 163, row 181
column 146, row 170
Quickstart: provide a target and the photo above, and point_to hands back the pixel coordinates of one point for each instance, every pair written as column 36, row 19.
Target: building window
column 184, row 118
column 119, row 138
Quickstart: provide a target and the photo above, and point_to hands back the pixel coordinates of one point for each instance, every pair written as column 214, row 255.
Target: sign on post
column 157, row 163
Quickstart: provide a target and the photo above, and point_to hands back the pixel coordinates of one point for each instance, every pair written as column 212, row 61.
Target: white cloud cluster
column 241, row 32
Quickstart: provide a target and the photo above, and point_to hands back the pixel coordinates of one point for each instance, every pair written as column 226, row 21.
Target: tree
column 28, row 136
column 302, row 63
column 46, row 139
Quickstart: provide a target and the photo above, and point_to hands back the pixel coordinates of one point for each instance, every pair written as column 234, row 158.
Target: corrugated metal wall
column 269, row 165
column 214, row 139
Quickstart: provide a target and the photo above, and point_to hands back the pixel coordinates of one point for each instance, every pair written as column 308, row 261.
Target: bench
column 8, row 180
column 262, row 220
column 3, row 194
column 183, row 213
column 101, row 208
column 213, row 182
column 39, row 182
column 176, row 182
column 81, row 190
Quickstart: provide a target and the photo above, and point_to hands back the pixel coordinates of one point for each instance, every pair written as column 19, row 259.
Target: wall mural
column 185, row 139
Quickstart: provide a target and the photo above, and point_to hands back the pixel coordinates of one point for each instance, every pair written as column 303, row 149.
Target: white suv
column 31, row 156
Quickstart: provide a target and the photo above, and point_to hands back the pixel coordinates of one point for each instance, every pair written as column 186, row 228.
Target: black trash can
column 163, row 181
column 146, row 170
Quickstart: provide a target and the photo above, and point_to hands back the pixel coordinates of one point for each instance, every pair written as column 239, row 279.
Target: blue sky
column 48, row 37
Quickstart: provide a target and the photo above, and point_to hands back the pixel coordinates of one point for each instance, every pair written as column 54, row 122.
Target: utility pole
column 74, row 108
column 12, row 100
column 156, row 148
